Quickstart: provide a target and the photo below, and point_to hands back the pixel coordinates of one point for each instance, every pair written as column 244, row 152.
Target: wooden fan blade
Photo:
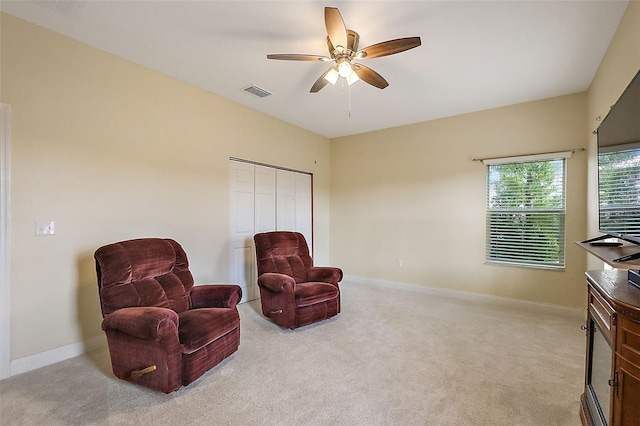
column 336, row 30
column 320, row 83
column 368, row 75
column 389, row 47
column 297, row 57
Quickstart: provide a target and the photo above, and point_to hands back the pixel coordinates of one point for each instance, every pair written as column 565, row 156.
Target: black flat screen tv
column 619, row 167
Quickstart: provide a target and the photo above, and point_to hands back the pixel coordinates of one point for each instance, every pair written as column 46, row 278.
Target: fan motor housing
column 353, row 38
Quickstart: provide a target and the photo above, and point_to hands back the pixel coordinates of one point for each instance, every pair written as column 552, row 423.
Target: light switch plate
column 45, row 228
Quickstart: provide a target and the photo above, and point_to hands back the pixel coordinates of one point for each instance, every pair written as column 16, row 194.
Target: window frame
column 615, row 204
column 555, row 212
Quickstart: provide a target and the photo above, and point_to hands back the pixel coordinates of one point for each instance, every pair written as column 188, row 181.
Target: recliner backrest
column 283, row 253
column 143, row 272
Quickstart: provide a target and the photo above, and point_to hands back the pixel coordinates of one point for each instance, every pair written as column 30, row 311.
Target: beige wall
column 413, row 193
column 387, row 188
column 619, row 65
column 110, row 150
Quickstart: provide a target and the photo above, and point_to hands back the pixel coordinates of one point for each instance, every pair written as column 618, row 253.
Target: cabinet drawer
column 628, row 341
column 603, row 314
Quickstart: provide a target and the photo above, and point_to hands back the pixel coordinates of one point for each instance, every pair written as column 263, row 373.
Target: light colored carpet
column 394, row 356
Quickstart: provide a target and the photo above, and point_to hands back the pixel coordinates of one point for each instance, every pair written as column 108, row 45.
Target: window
column 619, row 189
column 526, row 213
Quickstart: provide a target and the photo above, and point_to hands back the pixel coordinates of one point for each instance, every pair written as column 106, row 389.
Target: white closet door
column 263, row 199
column 303, row 207
column 286, row 207
column 242, row 217
column 294, row 203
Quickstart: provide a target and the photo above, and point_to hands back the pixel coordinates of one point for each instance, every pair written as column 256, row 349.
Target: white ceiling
column 475, row 55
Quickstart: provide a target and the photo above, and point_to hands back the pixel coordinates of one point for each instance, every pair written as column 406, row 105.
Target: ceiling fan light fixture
column 332, row 76
column 344, row 69
column 352, row 78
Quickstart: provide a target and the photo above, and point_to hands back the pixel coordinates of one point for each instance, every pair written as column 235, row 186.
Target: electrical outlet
column 45, row 228
column 399, row 263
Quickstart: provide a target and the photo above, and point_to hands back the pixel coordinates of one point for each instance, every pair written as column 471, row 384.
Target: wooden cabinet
column 627, row 370
column 612, row 374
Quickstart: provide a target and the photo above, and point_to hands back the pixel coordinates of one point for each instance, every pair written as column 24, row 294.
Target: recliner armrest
column 149, row 323
column 215, row 296
column 276, row 282
column 325, row 274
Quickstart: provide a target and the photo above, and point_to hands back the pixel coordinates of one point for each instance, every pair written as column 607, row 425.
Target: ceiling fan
column 343, row 49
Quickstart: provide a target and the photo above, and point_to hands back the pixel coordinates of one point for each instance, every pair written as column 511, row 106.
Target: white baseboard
column 42, row 359
column 542, row 308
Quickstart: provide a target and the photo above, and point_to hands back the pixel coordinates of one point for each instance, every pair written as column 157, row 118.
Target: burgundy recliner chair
column 293, row 292
column 163, row 332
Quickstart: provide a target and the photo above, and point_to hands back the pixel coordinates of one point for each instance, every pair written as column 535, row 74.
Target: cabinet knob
column 583, row 327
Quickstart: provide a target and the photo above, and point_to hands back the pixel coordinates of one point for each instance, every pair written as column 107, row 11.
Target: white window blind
column 619, row 191
column 526, row 213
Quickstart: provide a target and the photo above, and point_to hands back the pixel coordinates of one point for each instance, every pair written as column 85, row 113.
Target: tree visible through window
column 619, row 191
column 526, row 213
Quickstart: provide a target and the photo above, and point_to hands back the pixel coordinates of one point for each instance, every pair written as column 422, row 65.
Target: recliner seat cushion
column 199, row 327
column 314, row 292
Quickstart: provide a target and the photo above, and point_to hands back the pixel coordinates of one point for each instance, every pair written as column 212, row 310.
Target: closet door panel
column 303, row 207
column 242, row 218
column 286, row 206
column 265, row 199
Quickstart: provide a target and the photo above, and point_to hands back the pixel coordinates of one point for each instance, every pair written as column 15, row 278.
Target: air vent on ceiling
column 68, row 7
column 257, row 91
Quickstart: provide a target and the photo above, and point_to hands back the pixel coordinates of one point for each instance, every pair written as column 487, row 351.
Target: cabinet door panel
column 628, row 341
column 627, row 408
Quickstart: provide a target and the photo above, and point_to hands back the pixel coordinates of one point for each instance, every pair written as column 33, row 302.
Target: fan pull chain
column 349, row 88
